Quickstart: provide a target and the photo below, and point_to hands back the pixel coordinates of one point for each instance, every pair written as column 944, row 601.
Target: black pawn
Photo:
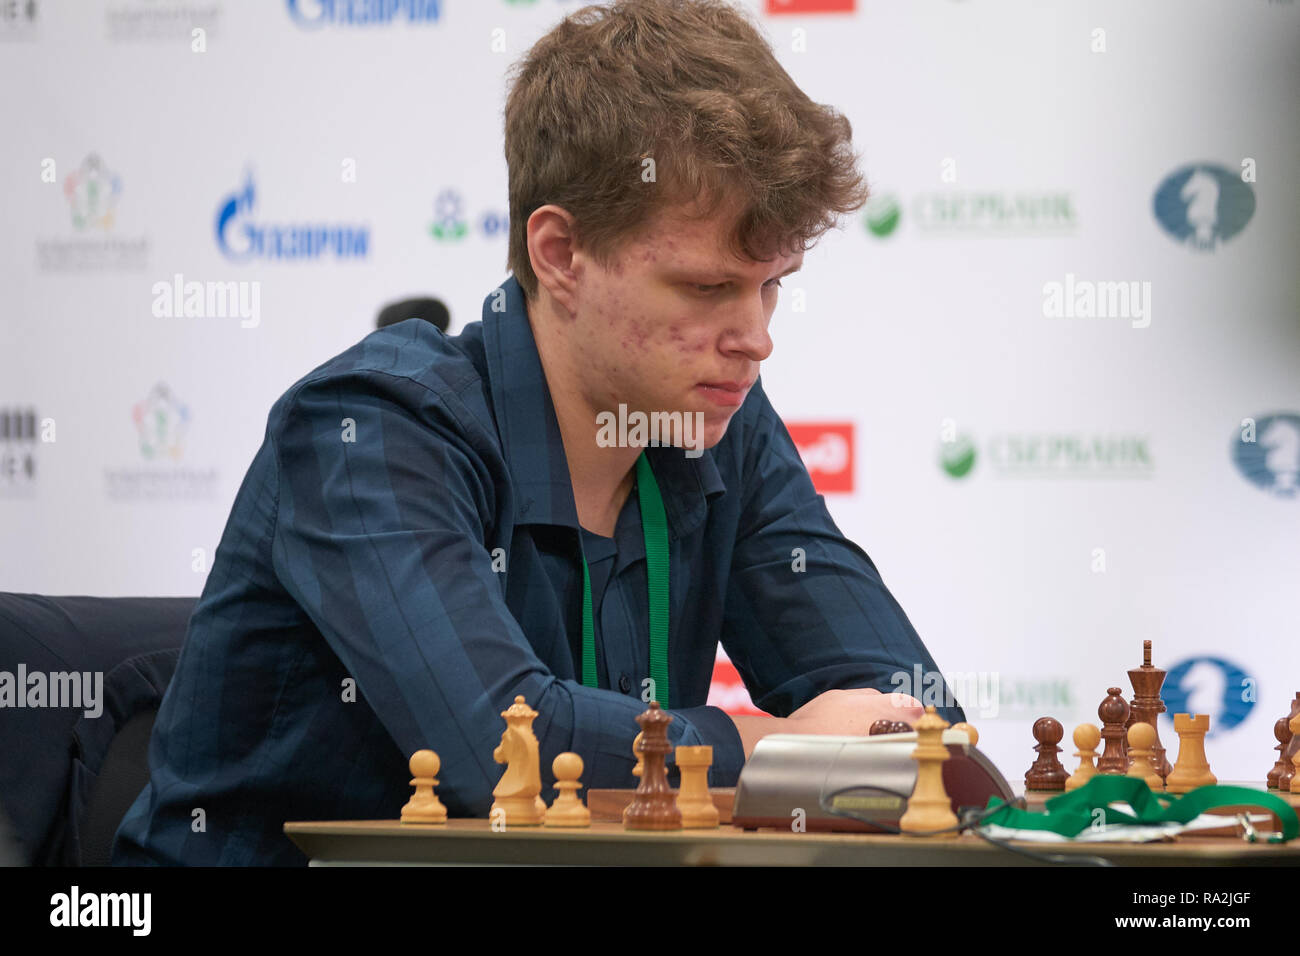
column 1047, row 772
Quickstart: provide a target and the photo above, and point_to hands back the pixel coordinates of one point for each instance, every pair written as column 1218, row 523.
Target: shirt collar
column 530, row 432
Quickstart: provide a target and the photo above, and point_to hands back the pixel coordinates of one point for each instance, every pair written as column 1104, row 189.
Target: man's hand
column 852, row 711
column 833, row 712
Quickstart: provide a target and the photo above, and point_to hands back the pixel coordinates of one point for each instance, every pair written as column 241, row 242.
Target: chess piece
column 970, row 731
column 424, row 805
column 1113, row 713
column 653, row 806
column 1192, row 769
column 1146, row 706
column 929, row 808
column 1294, row 727
column 886, row 726
column 1288, row 770
column 636, row 771
column 567, row 810
column 1141, row 744
column 1282, row 732
column 1046, row 772
column 693, row 798
column 1086, row 738
column 519, row 791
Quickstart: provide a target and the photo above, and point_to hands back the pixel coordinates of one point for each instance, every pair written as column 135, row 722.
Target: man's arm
column 383, row 511
column 806, row 610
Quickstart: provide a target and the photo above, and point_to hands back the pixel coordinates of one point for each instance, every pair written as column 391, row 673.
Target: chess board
column 469, row 841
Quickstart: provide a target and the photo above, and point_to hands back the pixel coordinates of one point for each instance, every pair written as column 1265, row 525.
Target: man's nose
column 748, row 332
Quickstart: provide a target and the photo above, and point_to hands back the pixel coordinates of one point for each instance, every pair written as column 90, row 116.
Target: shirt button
column 625, row 684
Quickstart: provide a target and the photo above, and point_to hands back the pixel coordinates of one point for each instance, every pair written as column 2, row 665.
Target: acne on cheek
column 683, row 344
column 635, row 336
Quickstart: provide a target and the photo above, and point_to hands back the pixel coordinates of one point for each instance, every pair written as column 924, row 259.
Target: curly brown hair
column 693, row 85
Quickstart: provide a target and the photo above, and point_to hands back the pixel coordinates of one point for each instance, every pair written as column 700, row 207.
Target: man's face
column 676, row 324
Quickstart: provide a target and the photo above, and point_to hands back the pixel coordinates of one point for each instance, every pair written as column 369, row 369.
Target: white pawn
column 424, row 805
column 567, row 810
column 1086, row 738
column 1141, row 738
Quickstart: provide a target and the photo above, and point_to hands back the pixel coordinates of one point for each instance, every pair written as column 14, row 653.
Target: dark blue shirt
column 403, row 558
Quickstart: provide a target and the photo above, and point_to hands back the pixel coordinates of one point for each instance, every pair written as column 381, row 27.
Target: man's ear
column 551, row 251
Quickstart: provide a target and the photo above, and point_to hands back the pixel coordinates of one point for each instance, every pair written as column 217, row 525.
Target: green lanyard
column 654, row 525
column 1072, row 812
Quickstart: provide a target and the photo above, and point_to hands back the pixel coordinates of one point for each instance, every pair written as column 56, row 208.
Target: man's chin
column 714, row 430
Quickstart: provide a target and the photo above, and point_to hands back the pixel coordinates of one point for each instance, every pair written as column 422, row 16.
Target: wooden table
column 461, row 842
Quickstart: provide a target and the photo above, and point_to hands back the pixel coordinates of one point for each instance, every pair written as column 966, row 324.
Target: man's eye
column 710, row 289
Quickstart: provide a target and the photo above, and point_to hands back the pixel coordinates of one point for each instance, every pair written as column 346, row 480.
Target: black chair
column 67, row 777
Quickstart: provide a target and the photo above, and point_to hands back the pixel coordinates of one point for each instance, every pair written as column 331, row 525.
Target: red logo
column 827, row 453
column 728, row 690
column 809, row 6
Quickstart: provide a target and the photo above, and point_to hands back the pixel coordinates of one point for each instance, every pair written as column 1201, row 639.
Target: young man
column 435, row 525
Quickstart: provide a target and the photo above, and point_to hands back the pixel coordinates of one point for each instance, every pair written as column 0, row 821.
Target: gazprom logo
column 313, row 14
column 1204, row 204
column 242, row 239
column 1209, row 685
column 1267, row 452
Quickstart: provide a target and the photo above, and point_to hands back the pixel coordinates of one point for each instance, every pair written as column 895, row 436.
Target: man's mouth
column 730, row 394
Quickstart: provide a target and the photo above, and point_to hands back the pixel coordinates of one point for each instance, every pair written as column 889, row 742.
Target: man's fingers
column 903, row 701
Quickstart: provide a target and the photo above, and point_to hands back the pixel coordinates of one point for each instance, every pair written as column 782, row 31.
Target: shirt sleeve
column 385, row 508
column 806, row 609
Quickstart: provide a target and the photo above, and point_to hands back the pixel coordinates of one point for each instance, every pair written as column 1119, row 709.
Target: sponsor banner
column 161, row 422
column 827, row 453
column 1063, row 454
column 91, row 192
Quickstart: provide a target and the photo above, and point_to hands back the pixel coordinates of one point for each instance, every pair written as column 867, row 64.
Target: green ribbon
column 654, row 526
column 1070, row 813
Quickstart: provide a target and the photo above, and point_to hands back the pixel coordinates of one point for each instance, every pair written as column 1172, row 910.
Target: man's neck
column 601, row 478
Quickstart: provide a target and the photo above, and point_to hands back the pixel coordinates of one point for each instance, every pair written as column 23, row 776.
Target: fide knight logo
column 161, row 420
column 1209, row 685
column 92, row 191
column 1267, row 453
column 1203, row 205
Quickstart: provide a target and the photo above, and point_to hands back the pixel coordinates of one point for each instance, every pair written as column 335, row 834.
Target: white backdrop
column 1042, row 488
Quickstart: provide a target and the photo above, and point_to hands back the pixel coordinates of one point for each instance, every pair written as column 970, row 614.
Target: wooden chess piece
column 968, row 730
column 1046, row 772
column 693, row 798
column 1288, row 769
column 1086, row 738
column 1113, row 713
column 636, row 771
column 1146, row 706
column 424, row 805
column 929, row 808
column 1141, row 744
column 653, row 806
column 1282, row 732
column 886, row 726
column 567, row 810
column 519, row 792
column 1192, row 769
column 1294, row 727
